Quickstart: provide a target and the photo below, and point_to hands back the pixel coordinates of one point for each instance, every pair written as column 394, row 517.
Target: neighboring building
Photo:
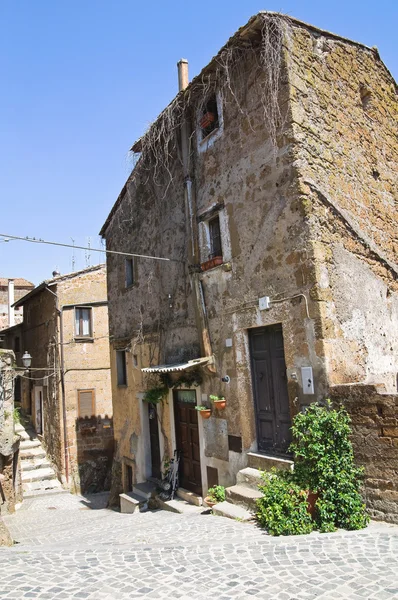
column 65, row 330
column 12, row 290
column 10, row 477
column 270, row 184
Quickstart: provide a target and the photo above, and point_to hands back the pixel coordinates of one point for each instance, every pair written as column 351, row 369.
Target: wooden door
column 154, row 440
column 271, row 400
column 187, row 440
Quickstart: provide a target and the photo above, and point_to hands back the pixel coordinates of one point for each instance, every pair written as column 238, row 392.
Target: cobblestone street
column 70, row 547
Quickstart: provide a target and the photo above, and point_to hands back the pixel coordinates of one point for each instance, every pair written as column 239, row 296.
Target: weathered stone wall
column 10, row 480
column 344, row 110
column 375, row 439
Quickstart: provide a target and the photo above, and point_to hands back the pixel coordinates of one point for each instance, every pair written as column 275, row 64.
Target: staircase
column 38, row 476
column 240, row 503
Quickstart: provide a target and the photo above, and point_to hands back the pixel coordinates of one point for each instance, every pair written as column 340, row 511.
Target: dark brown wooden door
column 154, row 437
column 187, row 440
column 271, row 398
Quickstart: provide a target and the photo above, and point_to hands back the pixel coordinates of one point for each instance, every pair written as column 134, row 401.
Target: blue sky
column 81, row 80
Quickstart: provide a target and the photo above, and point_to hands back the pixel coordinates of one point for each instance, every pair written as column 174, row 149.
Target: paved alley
column 71, row 547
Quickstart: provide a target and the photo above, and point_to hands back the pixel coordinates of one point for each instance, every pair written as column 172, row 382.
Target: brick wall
column 375, row 439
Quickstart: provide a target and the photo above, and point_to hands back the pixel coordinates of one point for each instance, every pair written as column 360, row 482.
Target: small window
column 209, row 120
column 86, row 403
column 129, row 269
column 16, row 344
column 83, row 322
column 121, row 367
column 215, row 237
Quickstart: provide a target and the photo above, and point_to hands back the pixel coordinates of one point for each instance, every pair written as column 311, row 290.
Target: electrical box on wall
column 307, row 379
column 263, row 303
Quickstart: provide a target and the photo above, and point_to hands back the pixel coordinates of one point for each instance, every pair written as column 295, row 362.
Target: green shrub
column 283, row 508
column 324, row 463
column 216, row 493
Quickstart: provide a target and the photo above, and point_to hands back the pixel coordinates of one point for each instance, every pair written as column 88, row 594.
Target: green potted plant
column 204, row 411
column 219, row 402
column 215, row 495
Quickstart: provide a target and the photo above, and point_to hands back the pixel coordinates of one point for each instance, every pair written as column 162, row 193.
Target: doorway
column 187, row 439
column 271, row 400
column 38, row 416
column 154, row 441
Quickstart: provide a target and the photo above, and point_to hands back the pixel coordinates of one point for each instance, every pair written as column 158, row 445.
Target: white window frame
column 204, row 144
column 90, row 335
column 204, row 237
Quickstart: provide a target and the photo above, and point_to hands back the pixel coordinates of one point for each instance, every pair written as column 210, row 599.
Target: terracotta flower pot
column 210, row 503
column 211, row 263
column 219, row 404
column 207, row 119
column 205, row 413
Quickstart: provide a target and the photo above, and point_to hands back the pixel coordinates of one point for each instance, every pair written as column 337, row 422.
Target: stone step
column 265, row 462
column 26, row 435
column 130, row 502
column 189, row 497
column 29, row 453
column 41, row 474
column 179, row 506
column 241, row 495
column 249, row 477
column 27, row 444
column 232, row 511
column 146, row 489
column 43, row 488
column 35, row 463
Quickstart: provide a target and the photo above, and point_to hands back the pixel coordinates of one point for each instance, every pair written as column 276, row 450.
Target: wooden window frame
column 80, row 334
column 92, row 390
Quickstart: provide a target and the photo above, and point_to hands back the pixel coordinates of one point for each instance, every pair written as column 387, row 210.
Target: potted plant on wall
column 215, row 495
column 204, row 411
column 219, row 402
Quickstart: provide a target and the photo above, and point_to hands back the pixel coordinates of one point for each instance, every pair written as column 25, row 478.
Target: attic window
column 209, row 119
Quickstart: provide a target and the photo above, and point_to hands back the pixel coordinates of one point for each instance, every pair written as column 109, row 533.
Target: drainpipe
column 190, row 203
column 61, row 341
column 11, row 313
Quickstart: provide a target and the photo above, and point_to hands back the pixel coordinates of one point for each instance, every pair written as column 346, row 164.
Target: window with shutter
column 86, row 403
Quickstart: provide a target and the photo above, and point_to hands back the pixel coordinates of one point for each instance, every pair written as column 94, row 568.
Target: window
column 83, row 322
column 209, row 120
column 86, row 403
column 215, row 237
column 16, row 344
column 129, row 269
column 209, row 123
column 121, row 367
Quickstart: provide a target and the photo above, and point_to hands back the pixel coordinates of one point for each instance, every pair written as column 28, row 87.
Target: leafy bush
column 155, row 395
column 324, row 463
column 216, row 493
column 283, row 508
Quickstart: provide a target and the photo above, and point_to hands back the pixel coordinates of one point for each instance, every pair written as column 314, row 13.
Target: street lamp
column 26, row 360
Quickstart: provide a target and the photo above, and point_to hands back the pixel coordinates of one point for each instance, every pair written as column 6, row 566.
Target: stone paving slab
column 68, row 550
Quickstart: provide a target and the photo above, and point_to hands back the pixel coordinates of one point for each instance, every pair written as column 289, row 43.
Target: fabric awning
column 179, row 367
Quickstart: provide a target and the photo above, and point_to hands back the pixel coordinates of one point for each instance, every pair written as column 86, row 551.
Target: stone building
column 12, row 290
column 67, row 392
column 269, row 184
column 10, row 478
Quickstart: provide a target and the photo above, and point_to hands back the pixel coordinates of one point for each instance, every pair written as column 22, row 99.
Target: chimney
column 11, row 315
column 183, row 79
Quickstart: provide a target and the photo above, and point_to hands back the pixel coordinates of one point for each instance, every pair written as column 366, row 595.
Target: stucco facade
column 304, row 196
column 69, row 380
